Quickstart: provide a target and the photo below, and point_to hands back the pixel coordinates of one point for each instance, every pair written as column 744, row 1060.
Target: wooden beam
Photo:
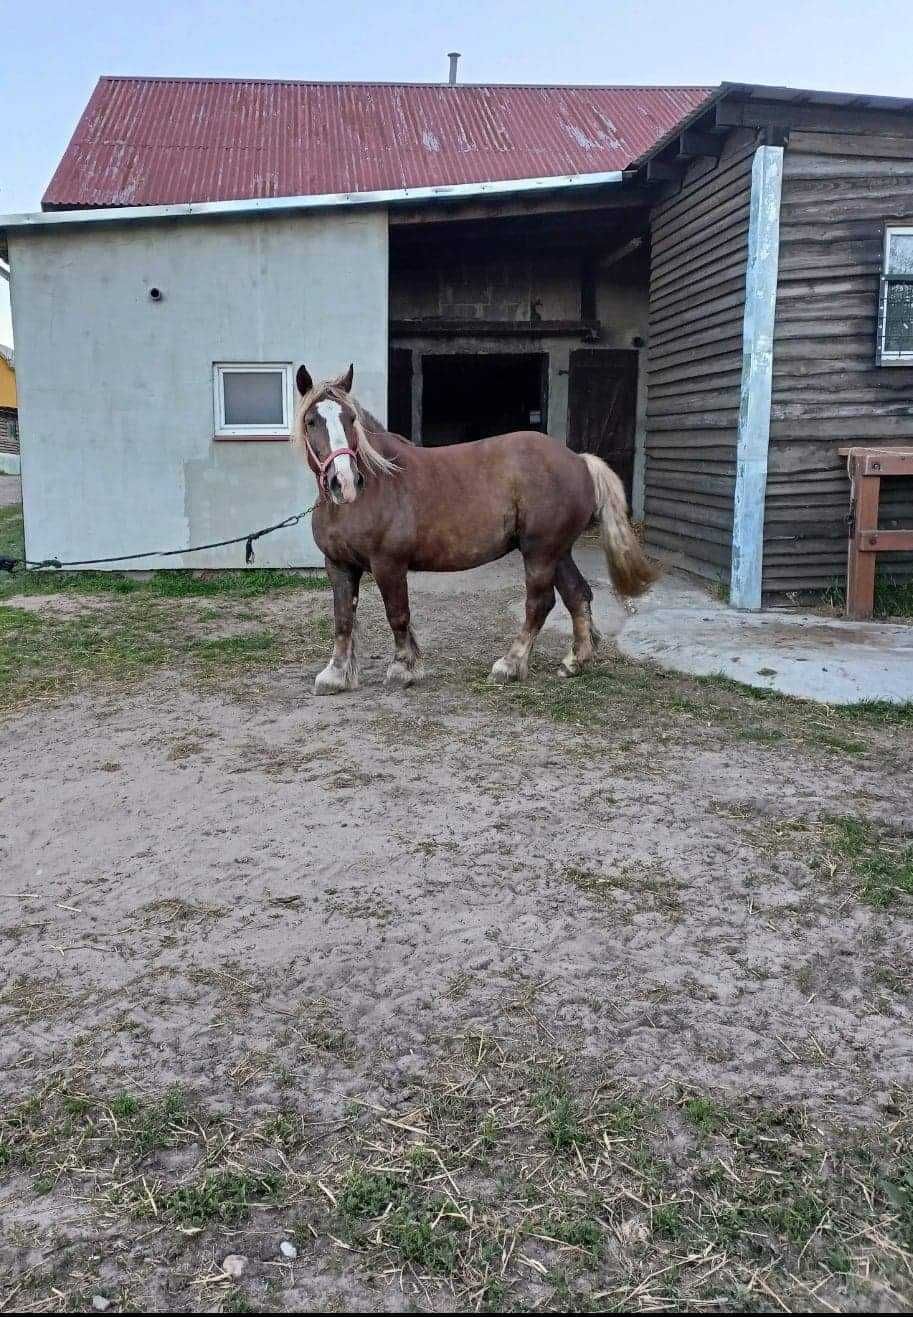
column 441, row 328
column 526, row 205
column 865, row 492
column 626, row 249
column 886, row 541
column 881, row 461
column 811, row 117
column 694, row 143
column 663, row 171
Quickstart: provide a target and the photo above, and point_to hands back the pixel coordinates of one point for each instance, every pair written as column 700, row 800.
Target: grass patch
column 582, row 700
column 899, row 1189
column 583, row 1232
column 883, row 865
column 368, row 1194
column 66, row 1126
column 220, row 1198
column 634, row 706
column 559, row 1115
column 419, row 1239
column 157, row 1124
column 249, row 583
column 834, row 741
column 600, row 1197
column 893, row 598
column 877, row 713
column 45, row 656
column 705, row 1114
column 416, row 1228
column 41, row 657
column 238, row 649
column 762, row 735
column 11, row 541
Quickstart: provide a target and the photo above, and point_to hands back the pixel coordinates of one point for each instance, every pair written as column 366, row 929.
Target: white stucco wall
column 115, row 390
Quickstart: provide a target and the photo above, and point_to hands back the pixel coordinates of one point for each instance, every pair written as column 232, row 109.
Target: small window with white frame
column 252, row 400
column 894, row 345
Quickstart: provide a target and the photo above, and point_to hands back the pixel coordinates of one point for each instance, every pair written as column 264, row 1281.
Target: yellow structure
column 9, row 414
column 7, row 379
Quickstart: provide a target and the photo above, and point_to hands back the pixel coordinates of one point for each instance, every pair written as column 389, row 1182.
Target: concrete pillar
column 757, row 379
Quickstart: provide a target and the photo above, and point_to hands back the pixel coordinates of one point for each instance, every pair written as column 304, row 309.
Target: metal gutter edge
column 279, row 205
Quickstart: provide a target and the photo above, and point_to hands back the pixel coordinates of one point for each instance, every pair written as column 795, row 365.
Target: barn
column 710, row 287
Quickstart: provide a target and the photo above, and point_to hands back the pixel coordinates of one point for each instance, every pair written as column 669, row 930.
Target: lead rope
column 11, row 564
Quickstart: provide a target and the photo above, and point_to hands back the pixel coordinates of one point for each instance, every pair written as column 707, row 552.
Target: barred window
column 895, row 313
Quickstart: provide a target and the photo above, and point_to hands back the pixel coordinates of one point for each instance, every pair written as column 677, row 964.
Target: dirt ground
column 572, row 997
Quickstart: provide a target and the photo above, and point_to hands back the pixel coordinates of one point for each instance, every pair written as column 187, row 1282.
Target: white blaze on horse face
column 332, row 416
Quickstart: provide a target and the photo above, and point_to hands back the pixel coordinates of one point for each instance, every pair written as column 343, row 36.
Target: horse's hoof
column 398, row 674
column 502, row 672
column 569, row 668
column 334, row 682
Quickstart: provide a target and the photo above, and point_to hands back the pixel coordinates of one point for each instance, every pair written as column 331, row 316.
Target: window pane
column 900, row 253
column 253, row 397
column 898, row 318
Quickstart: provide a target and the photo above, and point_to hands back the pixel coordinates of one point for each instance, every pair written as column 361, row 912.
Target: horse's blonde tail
column 631, row 571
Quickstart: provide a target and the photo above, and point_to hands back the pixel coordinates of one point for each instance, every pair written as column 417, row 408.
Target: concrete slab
column 814, row 658
column 680, row 626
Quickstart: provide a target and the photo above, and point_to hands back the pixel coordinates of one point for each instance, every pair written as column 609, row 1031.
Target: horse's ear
column 345, row 381
column 303, row 380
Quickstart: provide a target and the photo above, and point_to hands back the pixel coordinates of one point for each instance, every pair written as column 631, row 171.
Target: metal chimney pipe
column 454, row 57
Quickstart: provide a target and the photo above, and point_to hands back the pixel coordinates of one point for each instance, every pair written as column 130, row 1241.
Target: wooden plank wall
column 844, row 178
column 699, row 249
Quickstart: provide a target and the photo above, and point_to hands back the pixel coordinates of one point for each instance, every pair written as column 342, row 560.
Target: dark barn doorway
column 602, row 407
column 399, row 392
column 468, row 396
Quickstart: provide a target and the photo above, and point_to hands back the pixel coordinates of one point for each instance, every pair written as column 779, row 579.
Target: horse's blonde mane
column 365, row 425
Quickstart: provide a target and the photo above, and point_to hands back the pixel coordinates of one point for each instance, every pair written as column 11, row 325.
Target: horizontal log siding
column 699, row 250
column 9, row 430
column 839, row 187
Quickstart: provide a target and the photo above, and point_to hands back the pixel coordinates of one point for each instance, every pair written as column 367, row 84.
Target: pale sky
column 53, row 52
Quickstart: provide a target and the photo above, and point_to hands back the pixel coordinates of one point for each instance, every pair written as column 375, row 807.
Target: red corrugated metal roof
column 155, row 141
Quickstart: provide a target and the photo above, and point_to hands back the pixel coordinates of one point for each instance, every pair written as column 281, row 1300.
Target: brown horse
column 389, row 508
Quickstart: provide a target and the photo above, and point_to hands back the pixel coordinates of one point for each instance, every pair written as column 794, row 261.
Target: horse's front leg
column 407, row 666
column 341, row 673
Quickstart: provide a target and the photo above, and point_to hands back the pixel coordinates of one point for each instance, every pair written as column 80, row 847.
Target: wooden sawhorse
column 866, row 467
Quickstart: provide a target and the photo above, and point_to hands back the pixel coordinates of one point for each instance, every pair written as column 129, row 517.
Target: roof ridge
column 368, row 82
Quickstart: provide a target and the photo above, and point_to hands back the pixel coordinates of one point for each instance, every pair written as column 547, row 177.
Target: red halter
column 321, row 468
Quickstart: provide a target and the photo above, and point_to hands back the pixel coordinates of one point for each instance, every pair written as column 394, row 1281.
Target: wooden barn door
column 602, row 407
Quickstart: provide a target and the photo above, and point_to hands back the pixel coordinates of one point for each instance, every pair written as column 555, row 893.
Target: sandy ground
column 188, row 875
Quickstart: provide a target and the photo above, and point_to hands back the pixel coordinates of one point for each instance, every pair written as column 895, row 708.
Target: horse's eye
column 310, row 422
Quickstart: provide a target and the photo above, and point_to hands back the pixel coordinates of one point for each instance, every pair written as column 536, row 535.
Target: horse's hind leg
column 540, row 600
column 407, row 666
column 578, row 597
column 341, row 673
